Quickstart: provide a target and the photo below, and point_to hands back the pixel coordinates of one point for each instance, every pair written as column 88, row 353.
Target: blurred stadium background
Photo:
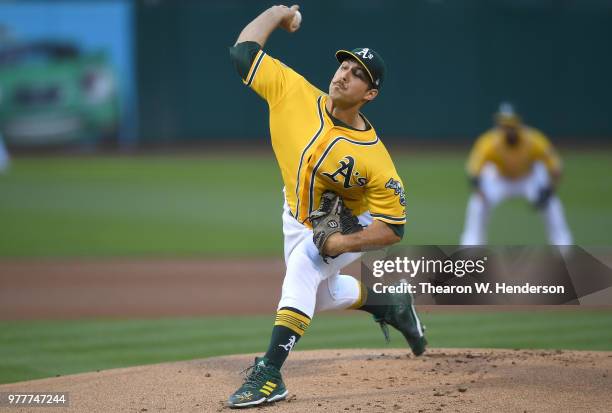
column 132, row 138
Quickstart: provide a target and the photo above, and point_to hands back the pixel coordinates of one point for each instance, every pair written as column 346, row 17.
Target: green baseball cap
column 371, row 61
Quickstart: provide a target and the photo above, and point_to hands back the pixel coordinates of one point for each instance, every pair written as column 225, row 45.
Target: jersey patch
column 396, row 186
column 347, row 171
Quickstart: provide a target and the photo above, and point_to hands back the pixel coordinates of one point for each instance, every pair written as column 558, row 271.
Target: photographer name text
column 477, row 288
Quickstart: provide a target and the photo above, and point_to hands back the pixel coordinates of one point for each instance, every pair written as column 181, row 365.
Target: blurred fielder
column 333, row 165
column 513, row 160
column 4, row 156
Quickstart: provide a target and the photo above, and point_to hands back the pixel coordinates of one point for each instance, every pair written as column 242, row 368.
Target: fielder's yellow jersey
column 513, row 162
column 315, row 155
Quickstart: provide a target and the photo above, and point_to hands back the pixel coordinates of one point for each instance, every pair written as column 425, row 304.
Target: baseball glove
column 543, row 197
column 331, row 217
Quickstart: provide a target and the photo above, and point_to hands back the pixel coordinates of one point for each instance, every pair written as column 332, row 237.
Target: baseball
column 297, row 20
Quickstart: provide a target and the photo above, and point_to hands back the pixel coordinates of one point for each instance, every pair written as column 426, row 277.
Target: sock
column 373, row 303
column 289, row 326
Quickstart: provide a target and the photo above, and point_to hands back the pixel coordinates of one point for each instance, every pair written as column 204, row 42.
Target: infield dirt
column 355, row 380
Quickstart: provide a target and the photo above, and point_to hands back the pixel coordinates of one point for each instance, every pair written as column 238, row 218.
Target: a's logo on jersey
column 397, row 189
column 365, row 53
column 347, row 171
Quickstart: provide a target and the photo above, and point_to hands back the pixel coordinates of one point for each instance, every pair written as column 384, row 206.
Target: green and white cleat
column 263, row 384
column 402, row 315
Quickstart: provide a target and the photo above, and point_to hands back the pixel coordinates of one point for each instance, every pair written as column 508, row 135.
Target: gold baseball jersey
column 316, row 154
column 513, row 162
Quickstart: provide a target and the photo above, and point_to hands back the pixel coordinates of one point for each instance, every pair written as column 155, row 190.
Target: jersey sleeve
column 386, row 198
column 268, row 77
column 479, row 155
column 398, row 229
column 545, row 152
column 242, row 56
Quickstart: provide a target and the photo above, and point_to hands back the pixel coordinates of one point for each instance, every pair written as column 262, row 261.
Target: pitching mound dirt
column 356, row 380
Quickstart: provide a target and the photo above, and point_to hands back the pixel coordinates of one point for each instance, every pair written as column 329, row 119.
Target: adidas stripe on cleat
column 263, row 384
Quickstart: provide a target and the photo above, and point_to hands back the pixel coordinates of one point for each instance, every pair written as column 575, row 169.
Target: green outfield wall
column 450, row 64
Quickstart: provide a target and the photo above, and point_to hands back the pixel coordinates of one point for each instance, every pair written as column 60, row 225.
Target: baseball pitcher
column 513, row 160
column 341, row 190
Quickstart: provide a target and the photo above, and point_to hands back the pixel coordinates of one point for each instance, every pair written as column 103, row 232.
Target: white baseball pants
column 496, row 188
column 310, row 284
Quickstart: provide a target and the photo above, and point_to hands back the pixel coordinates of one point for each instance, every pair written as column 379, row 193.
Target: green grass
column 36, row 349
column 139, row 206
column 217, row 205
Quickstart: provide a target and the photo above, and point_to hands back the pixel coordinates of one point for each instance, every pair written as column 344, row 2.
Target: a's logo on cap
column 365, row 53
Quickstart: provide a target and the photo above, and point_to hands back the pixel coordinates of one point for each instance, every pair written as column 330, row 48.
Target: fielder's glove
column 544, row 195
column 474, row 182
column 331, row 217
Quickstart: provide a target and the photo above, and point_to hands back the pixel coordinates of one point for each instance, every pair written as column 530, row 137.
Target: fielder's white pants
column 495, row 188
column 310, row 284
